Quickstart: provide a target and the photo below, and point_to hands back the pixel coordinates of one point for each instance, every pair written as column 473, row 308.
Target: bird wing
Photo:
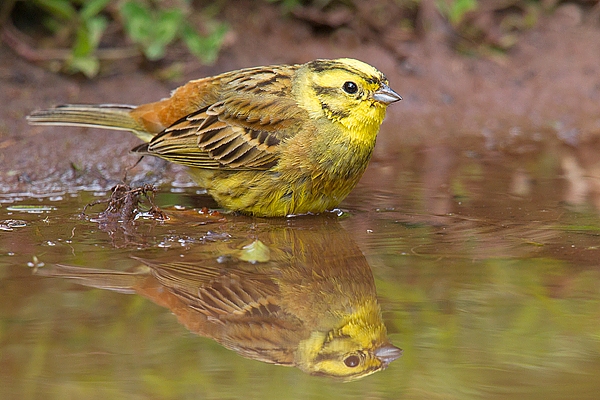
column 218, row 293
column 244, row 306
column 243, row 129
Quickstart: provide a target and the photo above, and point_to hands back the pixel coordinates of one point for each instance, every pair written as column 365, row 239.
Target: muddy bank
column 548, row 85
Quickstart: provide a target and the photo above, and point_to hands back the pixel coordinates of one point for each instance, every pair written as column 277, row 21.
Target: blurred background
column 502, row 71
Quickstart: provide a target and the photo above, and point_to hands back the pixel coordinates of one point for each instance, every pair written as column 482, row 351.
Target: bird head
column 351, row 350
column 346, row 91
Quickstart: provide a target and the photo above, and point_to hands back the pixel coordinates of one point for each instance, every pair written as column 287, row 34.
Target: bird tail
column 118, row 281
column 107, row 116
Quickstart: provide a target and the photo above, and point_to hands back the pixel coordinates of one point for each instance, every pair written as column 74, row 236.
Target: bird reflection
column 300, row 294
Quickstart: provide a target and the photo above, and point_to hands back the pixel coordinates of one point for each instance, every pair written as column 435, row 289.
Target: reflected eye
column 350, row 87
column 352, row 361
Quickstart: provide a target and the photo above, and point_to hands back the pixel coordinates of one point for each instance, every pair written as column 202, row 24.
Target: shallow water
column 486, row 263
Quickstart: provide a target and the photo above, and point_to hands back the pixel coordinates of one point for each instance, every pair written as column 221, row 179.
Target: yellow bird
column 301, row 294
column 265, row 141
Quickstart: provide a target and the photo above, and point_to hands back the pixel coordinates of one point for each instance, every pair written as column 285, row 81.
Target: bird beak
column 388, row 353
column 386, row 95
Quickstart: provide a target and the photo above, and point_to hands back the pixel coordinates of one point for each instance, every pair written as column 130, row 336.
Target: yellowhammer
column 266, row 141
column 301, row 294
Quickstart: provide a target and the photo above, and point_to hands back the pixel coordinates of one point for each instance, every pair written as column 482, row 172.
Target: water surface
column 486, row 264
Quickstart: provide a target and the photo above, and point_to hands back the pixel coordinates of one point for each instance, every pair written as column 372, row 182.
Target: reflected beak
column 388, row 352
column 386, row 95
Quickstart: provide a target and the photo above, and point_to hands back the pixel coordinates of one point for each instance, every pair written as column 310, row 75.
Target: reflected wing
column 219, row 294
column 245, row 306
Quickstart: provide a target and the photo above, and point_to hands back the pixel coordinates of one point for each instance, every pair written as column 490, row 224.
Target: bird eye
column 350, row 87
column 351, row 361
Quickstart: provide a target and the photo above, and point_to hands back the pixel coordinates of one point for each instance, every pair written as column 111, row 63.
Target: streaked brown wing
column 242, row 131
column 245, row 305
column 218, row 294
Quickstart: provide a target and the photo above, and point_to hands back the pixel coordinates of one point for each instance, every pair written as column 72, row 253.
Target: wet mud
column 547, row 86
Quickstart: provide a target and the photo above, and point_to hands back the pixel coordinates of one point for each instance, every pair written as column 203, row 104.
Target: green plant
column 154, row 29
column 84, row 22
column 455, row 10
column 147, row 23
column 287, row 5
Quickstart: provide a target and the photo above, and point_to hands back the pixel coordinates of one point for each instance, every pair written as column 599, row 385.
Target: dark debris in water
column 125, row 204
column 123, row 209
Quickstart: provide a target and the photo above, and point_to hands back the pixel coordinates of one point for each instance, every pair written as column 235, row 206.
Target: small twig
column 127, row 169
column 124, row 203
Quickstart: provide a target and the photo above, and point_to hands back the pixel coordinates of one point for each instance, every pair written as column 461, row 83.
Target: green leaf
column 82, row 46
column 88, row 37
column 89, row 65
column 204, row 48
column 166, row 28
column 154, row 31
column 138, row 20
column 168, row 25
column 96, row 27
column 459, row 8
column 86, row 42
column 59, row 8
column 255, row 252
column 154, row 51
column 92, row 7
